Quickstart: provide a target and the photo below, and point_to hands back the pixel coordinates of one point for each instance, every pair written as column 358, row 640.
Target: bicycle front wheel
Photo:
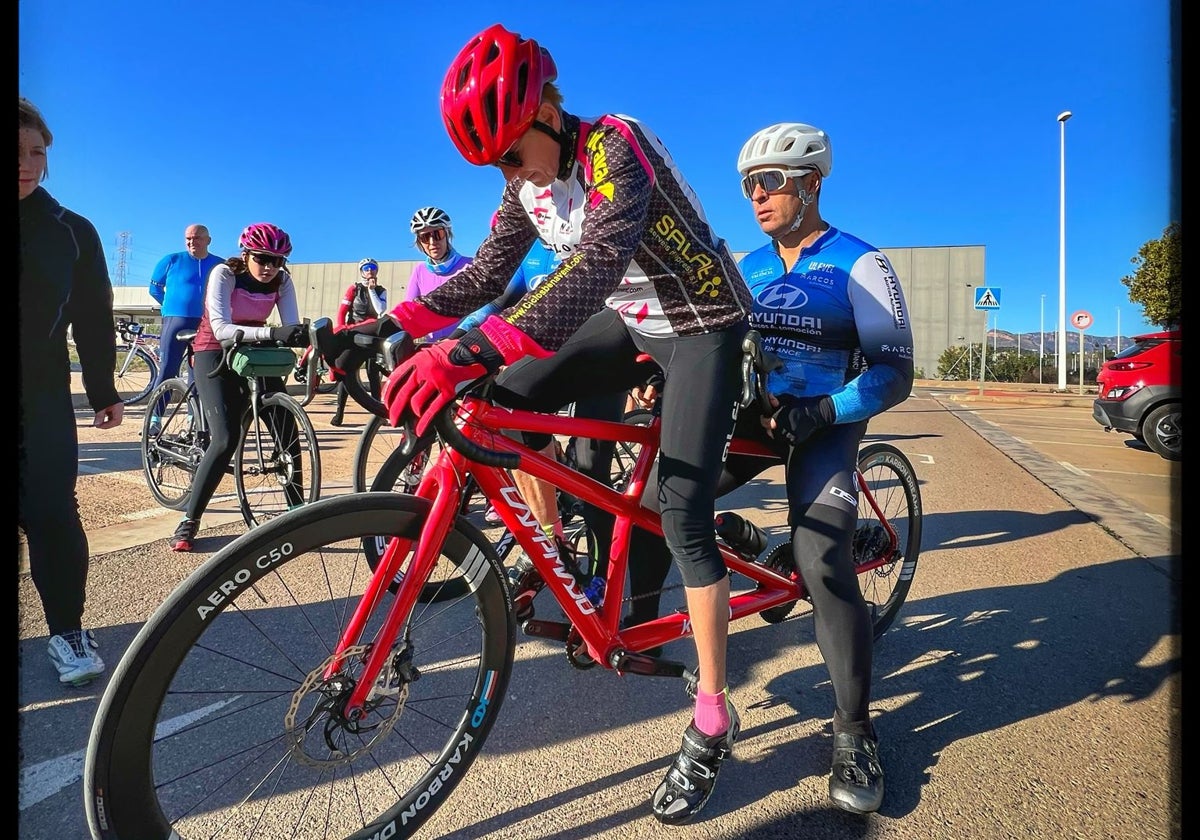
column 377, row 441
column 134, row 373
column 277, row 466
column 886, row 565
column 223, row 719
column 172, row 452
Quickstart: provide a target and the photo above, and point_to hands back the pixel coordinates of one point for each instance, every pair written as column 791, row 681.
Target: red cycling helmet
column 265, row 238
column 492, row 91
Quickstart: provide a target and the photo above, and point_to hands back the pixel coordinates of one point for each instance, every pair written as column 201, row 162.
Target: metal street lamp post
column 1062, row 250
column 1042, row 339
column 1118, row 329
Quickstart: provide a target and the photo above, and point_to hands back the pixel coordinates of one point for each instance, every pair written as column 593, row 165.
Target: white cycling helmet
column 429, row 218
column 363, row 263
column 794, row 145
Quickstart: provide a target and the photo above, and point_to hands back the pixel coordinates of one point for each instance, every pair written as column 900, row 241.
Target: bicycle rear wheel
column 277, row 466
column 171, row 455
column 886, row 566
column 219, row 720
column 134, row 373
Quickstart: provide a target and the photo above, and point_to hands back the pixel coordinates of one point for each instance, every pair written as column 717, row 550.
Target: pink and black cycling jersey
column 238, row 302
column 631, row 236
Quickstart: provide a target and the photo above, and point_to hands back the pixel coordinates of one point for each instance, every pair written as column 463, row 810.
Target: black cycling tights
column 703, row 375
column 821, row 549
column 225, row 400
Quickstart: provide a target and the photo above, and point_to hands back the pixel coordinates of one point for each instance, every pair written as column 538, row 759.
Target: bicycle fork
column 439, row 487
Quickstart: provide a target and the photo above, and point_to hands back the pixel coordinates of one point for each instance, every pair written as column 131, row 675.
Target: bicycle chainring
column 577, row 651
column 780, row 560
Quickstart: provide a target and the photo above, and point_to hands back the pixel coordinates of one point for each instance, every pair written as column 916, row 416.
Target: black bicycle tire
column 361, row 482
column 635, row 417
column 171, row 502
column 121, row 785
column 901, row 571
column 312, row 475
column 151, row 366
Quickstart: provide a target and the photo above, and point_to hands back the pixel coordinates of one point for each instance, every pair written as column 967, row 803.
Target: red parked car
column 1141, row 392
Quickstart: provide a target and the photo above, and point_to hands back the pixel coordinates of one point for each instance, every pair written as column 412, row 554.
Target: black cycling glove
column 291, row 335
column 798, row 417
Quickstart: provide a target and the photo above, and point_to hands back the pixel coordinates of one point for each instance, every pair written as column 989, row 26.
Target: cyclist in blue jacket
column 831, row 308
column 177, row 284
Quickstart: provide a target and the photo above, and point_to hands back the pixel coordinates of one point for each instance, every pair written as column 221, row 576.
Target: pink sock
column 711, row 716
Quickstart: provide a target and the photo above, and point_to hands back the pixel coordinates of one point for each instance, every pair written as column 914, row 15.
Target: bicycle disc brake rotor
column 284, row 467
column 315, row 721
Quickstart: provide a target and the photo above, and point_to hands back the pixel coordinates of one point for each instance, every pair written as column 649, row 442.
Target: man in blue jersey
column 830, row 307
column 177, row 283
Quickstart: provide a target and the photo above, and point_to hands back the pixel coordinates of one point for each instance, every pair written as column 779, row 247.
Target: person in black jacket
column 64, row 281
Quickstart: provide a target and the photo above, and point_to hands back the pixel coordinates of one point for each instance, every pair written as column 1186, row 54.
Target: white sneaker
column 75, row 655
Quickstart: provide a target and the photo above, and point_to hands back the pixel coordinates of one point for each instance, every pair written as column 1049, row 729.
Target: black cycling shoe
column 185, row 535
column 692, row 777
column 856, row 784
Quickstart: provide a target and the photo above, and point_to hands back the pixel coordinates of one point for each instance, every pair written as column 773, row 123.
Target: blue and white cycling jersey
column 837, row 320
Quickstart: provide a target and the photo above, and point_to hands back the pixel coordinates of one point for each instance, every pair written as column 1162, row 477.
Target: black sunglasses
column 268, row 260
column 511, row 159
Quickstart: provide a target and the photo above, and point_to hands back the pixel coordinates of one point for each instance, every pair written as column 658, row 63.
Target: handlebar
column 348, row 352
column 756, row 365
column 228, row 345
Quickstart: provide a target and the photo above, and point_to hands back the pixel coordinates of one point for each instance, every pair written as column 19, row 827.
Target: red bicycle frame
column 442, row 485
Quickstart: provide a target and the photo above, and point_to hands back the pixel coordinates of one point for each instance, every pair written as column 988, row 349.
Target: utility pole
column 123, row 240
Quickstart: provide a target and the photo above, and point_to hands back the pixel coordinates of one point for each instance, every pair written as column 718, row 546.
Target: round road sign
column 1081, row 320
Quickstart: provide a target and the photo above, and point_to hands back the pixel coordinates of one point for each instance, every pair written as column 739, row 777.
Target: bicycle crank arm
column 650, row 666
column 556, row 630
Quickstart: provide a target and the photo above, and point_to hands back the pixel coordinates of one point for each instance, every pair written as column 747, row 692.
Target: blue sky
column 323, row 118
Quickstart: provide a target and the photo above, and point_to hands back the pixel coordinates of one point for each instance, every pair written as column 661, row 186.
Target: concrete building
column 939, row 286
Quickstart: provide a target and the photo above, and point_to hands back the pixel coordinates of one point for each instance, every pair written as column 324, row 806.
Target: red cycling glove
column 427, row 381
column 424, row 383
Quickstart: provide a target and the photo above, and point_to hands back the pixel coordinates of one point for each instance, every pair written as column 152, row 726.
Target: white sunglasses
column 770, row 180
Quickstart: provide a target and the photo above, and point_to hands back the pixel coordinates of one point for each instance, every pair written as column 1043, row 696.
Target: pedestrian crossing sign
column 987, row 297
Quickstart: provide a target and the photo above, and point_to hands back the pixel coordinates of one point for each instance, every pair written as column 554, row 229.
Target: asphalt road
column 1029, row 689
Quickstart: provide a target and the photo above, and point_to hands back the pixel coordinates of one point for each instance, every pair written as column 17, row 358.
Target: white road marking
column 46, row 778
column 1068, row 465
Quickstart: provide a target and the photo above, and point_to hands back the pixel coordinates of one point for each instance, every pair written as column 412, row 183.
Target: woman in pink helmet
column 240, row 296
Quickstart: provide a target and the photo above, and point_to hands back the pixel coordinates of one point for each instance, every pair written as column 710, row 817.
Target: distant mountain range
column 1003, row 340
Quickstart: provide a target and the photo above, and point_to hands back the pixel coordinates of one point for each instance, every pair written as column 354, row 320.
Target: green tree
column 1156, row 283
